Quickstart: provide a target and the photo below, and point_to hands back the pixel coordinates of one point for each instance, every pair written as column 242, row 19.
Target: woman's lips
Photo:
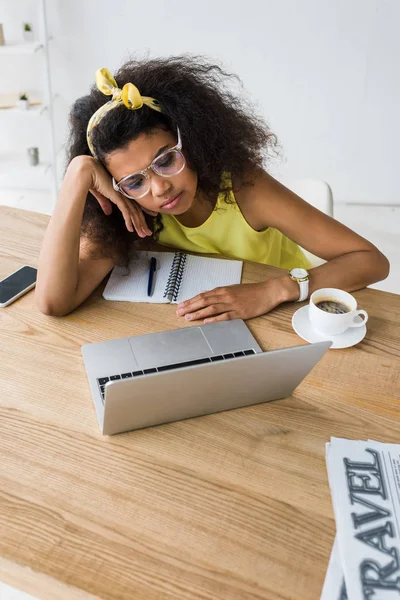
column 171, row 203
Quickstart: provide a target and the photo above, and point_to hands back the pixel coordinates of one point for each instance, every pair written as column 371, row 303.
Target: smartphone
column 17, row 284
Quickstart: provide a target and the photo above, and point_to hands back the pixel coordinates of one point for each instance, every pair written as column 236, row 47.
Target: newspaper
column 364, row 477
column 334, row 584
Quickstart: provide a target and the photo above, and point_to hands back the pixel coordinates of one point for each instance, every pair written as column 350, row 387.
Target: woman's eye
column 165, row 161
column 133, row 184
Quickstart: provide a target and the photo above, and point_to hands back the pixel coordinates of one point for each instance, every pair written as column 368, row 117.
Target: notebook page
column 132, row 286
column 202, row 274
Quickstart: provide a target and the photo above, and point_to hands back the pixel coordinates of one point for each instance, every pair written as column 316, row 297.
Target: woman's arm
column 67, row 275
column 352, row 262
column 64, row 281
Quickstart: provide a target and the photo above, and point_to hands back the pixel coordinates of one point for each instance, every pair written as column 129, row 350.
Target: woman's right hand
column 100, row 186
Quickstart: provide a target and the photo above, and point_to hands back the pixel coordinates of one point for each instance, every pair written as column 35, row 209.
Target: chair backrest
column 318, row 194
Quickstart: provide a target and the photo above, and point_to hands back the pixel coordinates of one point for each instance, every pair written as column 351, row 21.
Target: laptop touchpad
column 158, row 349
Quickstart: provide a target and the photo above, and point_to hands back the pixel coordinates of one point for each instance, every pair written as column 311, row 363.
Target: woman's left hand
column 241, row 301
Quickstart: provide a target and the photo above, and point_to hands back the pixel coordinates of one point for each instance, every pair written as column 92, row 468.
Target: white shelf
column 20, row 48
column 15, row 173
column 33, row 111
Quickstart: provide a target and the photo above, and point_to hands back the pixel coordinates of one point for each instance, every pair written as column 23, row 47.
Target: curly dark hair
column 219, row 133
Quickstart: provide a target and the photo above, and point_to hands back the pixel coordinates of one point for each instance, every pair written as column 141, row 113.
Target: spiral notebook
column 178, row 277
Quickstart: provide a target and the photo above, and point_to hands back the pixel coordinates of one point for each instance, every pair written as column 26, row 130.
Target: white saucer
column 302, row 326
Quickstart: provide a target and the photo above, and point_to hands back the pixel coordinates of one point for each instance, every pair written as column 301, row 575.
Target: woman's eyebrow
column 160, row 151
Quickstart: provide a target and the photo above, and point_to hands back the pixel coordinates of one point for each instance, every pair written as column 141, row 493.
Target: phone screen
column 15, row 283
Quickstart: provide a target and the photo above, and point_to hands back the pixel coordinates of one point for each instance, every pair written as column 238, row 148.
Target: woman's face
column 173, row 194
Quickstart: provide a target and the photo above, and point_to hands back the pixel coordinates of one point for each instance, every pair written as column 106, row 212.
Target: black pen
column 152, row 270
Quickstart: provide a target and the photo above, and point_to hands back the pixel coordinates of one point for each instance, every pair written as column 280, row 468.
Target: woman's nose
column 160, row 186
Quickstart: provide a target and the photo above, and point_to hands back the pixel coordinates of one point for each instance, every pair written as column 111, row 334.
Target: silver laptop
column 157, row 378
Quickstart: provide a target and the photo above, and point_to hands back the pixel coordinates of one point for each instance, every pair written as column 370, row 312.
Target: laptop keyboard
column 101, row 381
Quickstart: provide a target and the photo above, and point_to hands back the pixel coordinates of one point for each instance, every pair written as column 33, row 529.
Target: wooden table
column 228, row 506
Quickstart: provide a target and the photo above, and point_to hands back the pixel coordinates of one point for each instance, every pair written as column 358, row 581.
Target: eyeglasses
column 169, row 163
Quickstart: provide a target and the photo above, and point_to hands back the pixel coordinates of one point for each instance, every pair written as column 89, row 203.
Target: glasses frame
column 177, row 148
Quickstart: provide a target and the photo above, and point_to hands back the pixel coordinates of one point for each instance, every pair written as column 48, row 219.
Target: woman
column 175, row 155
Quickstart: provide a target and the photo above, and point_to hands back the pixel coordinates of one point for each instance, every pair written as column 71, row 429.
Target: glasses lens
column 169, row 163
column 135, row 186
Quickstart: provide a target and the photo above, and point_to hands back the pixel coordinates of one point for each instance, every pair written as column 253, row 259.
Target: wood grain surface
column 228, row 506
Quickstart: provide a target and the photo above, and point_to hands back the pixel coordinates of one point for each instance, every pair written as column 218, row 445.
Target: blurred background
column 323, row 74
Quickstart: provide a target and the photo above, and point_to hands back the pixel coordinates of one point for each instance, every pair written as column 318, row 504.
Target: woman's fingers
column 131, row 212
column 213, row 310
column 203, row 300
column 106, row 205
column 103, row 201
column 123, row 206
column 126, row 214
column 138, row 220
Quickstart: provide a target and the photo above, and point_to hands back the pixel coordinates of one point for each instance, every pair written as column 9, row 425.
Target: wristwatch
column 301, row 276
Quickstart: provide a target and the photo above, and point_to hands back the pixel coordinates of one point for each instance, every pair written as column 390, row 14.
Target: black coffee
column 334, row 307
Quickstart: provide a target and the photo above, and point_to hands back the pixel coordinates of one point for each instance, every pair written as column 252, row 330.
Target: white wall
column 323, row 73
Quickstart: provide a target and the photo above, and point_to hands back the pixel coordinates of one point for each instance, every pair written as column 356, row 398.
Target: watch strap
column 303, row 285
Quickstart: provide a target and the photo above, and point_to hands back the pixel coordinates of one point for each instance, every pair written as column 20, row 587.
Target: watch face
column 298, row 273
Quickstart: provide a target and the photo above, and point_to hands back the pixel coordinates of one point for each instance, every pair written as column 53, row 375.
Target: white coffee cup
column 331, row 323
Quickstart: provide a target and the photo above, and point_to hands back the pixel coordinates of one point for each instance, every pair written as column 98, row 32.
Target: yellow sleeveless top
column 227, row 232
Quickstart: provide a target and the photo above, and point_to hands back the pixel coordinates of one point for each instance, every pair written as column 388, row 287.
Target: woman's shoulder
column 255, row 194
column 249, row 185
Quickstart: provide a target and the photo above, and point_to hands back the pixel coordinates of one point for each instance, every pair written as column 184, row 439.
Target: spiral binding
column 175, row 276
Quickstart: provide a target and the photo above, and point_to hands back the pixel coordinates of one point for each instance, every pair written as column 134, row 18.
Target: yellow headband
column 129, row 96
